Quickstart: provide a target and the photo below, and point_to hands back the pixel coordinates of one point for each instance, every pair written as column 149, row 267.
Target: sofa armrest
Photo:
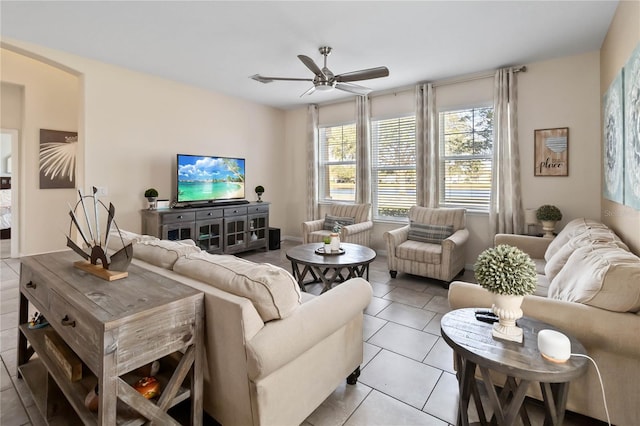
column 456, row 239
column 533, row 246
column 595, row 328
column 395, row 237
column 357, row 228
column 282, row 341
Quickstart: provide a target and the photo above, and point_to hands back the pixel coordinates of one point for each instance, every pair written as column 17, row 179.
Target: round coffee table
column 522, row 363
column 329, row 268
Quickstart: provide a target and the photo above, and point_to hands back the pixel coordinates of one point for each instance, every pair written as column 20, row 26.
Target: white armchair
column 358, row 233
column 429, row 251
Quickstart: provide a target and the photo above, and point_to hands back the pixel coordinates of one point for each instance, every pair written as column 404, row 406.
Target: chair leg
column 353, row 377
column 393, row 273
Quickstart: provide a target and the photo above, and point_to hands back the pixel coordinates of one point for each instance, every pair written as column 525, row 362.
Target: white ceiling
column 218, row 45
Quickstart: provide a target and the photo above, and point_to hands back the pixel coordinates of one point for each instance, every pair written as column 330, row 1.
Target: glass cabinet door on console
column 209, row 230
column 258, row 230
column 235, row 234
column 178, row 231
column 210, row 235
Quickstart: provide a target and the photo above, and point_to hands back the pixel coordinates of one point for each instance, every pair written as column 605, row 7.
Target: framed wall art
column 551, row 152
column 632, row 130
column 58, row 159
column 612, row 136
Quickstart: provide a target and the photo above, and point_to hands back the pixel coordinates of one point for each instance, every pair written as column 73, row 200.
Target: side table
column 522, row 363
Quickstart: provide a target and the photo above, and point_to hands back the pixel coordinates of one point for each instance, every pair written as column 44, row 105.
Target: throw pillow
column 273, row 291
column 163, row 253
column 330, row 221
column 429, row 233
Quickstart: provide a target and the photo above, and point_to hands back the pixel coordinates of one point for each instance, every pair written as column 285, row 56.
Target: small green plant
column 259, row 189
column 337, row 227
column 327, row 240
column 505, row 269
column 548, row 212
column 151, row 193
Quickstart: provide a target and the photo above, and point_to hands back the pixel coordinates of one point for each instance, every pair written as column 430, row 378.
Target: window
column 337, row 171
column 393, row 173
column 466, row 146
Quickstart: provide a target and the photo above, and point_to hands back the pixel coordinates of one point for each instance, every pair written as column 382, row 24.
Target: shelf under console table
column 224, row 229
column 114, row 329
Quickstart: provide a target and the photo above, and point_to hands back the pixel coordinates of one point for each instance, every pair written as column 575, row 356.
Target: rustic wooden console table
column 113, row 328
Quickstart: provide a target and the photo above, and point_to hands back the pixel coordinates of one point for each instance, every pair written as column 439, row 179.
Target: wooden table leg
column 465, row 381
column 554, row 396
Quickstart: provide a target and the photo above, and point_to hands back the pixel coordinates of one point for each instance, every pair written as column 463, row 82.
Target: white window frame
column 375, row 169
column 324, row 196
column 470, row 206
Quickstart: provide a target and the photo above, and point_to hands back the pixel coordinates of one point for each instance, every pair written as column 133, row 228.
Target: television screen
column 209, row 178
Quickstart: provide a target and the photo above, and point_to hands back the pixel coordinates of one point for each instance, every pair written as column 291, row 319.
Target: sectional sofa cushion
column 602, row 276
column 121, row 239
column 273, row 291
column 163, row 253
column 592, row 236
column 570, row 230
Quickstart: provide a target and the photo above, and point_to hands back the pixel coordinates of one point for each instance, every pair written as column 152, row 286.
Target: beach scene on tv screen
column 210, row 178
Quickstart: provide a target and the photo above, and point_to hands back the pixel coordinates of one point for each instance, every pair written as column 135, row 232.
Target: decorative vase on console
column 548, row 215
column 510, row 274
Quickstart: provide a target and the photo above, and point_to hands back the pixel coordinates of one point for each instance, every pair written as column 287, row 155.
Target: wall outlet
column 102, row 191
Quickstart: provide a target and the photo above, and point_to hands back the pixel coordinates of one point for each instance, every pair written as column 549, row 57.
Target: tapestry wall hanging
column 612, row 135
column 551, row 154
column 58, row 159
column 632, row 130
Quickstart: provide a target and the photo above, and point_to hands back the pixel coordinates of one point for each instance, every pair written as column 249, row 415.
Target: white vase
column 335, row 242
column 548, row 226
column 507, row 308
column 327, row 248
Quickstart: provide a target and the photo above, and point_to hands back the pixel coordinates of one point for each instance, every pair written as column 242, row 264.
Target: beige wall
column 50, row 101
column 132, row 126
column 623, row 36
column 557, row 93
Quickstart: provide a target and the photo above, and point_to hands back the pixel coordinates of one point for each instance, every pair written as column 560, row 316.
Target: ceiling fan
column 325, row 80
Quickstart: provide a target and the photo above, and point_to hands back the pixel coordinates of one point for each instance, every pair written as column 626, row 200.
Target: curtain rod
column 438, row 83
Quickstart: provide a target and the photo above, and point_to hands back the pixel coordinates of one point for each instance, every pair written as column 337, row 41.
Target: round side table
column 522, row 363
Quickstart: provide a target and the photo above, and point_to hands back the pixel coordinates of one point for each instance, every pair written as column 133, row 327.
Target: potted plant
column 510, row 274
column 259, row 191
column 152, row 196
column 335, row 237
column 327, row 244
column 548, row 215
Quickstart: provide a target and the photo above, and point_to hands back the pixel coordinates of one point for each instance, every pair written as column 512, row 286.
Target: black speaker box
column 274, row 238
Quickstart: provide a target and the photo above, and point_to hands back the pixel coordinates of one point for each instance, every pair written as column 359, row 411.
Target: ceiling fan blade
column 367, row 74
column 311, row 65
column 308, row 92
column 263, row 79
column 353, row 88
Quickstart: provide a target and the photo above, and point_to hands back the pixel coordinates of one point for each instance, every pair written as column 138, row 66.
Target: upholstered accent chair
column 432, row 244
column 354, row 218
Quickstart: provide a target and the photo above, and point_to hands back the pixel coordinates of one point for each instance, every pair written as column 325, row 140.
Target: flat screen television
column 204, row 178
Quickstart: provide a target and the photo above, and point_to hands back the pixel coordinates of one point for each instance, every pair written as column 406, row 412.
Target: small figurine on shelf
column 149, row 387
column 38, row 321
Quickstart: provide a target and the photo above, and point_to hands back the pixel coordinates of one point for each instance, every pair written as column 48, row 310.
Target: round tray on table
column 320, row 251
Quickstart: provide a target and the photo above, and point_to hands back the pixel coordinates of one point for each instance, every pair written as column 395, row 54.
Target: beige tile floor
column 407, row 373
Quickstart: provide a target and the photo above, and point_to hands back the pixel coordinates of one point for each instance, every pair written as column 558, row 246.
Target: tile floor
column 407, row 373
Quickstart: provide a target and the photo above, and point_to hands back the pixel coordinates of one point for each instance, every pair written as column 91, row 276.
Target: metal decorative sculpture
column 111, row 267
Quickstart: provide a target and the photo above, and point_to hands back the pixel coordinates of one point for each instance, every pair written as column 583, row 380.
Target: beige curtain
column 426, row 146
column 363, row 150
column 506, row 215
column 312, row 162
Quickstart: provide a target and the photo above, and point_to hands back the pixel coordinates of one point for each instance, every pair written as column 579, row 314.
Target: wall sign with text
column 551, row 156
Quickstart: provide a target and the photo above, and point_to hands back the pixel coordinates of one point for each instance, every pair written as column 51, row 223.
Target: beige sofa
column 273, row 355
column 588, row 286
